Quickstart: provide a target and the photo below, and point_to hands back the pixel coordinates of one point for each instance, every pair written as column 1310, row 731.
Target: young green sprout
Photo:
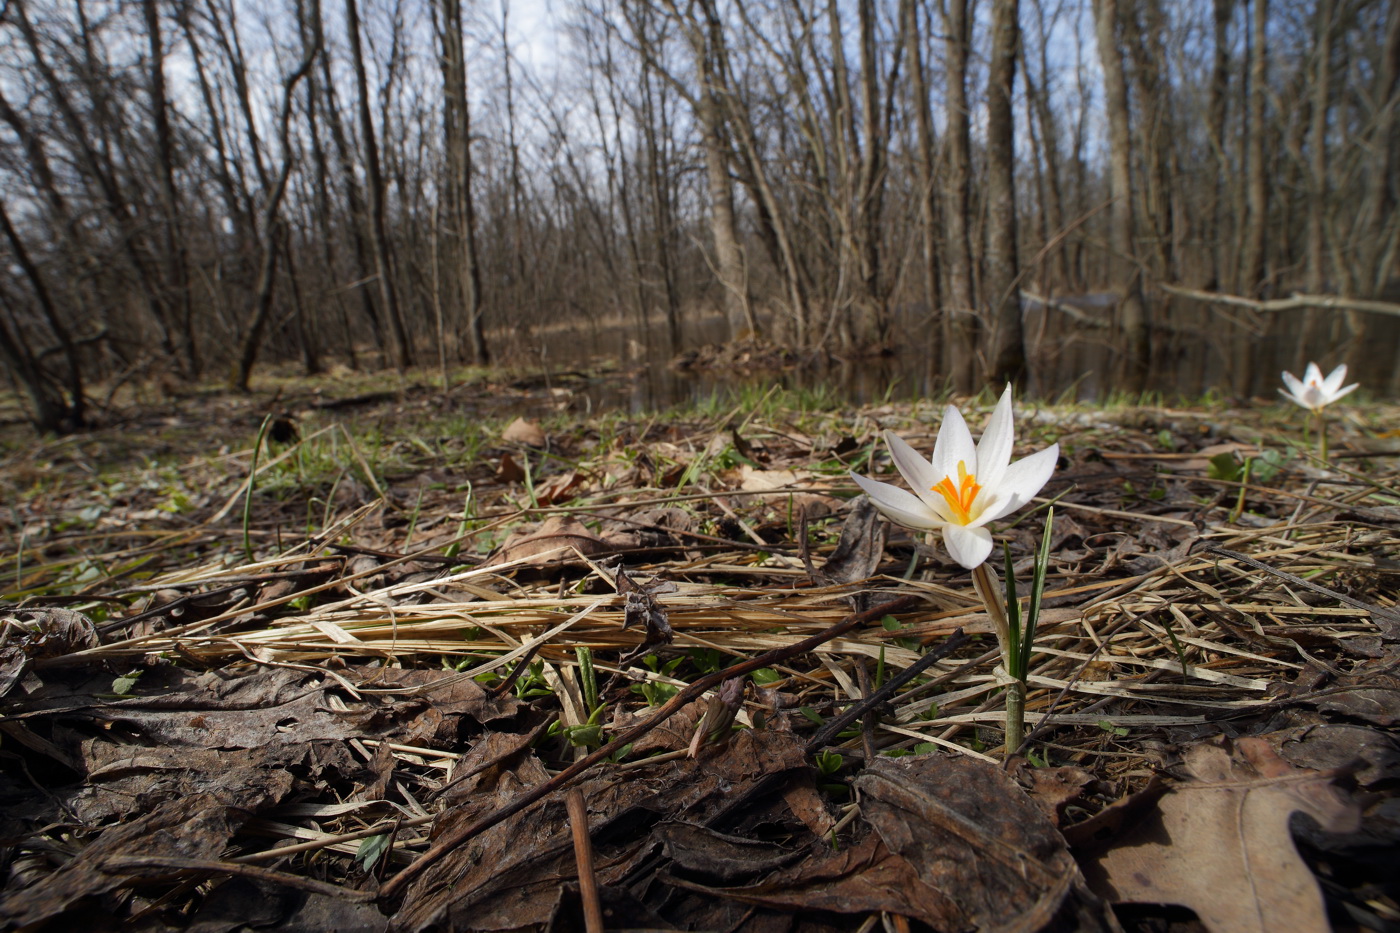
column 957, row 493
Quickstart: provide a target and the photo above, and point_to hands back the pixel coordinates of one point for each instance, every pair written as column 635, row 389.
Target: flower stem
column 1322, row 435
column 1015, row 716
column 984, row 579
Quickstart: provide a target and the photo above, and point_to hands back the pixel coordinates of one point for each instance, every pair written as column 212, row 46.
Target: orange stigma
column 961, row 496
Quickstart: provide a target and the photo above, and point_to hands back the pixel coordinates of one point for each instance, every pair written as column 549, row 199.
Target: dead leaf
column 1371, row 756
column 640, row 605
column 187, row 827
column 1371, row 694
column 860, row 549
column 510, row 875
column 722, row 858
column 751, row 480
column 560, row 488
column 524, row 432
column 268, row 706
column 40, row 633
column 549, row 543
column 974, row 836
column 1053, row 789
column 1219, row 843
column 508, row 471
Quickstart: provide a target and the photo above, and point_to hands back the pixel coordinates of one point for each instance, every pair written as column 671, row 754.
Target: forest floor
column 414, row 662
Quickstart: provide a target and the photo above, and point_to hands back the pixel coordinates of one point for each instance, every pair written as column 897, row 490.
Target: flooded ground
column 1196, row 349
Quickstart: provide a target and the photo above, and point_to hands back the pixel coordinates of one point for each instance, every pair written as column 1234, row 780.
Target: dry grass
column 1152, row 632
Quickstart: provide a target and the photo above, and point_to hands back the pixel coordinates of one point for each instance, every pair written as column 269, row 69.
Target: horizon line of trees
column 192, row 186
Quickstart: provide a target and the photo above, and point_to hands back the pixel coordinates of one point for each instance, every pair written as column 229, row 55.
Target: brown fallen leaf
column 1219, row 843
column 40, row 633
column 860, row 877
column 857, row 554
column 640, row 606
column 189, row 827
column 1371, row 694
column 973, row 836
column 560, row 488
column 510, row 876
column 1053, row 789
column 549, row 543
column 752, row 480
column 508, row 471
column 524, row 432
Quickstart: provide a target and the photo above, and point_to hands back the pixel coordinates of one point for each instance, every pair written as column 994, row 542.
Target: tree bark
column 1132, row 316
column 962, row 321
column 1317, row 154
column 52, row 411
column 1007, row 350
column 399, row 350
column 456, row 118
column 925, row 163
column 1220, row 272
column 172, row 239
column 1252, row 258
column 260, row 304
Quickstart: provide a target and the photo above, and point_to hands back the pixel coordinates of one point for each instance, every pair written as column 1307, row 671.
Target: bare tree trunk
column 961, row 318
column 709, row 34
column 925, row 163
column 457, row 139
column 399, row 349
column 661, row 181
column 173, row 242
column 1317, row 156
column 321, row 186
column 271, row 220
column 359, row 216
column 1132, row 317
column 1142, row 35
column 1043, row 116
column 52, row 411
column 308, row 335
column 1221, row 256
column 1252, row 260
column 870, row 182
column 1378, row 211
column 724, row 228
column 97, row 168
column 1007, row 352
column 517, row 188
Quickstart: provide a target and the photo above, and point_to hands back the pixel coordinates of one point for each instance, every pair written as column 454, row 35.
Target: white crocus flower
column 1313, row 391
column 965, row 486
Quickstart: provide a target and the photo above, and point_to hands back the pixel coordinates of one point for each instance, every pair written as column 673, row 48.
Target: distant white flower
column 1314, row 392
column 965, row 486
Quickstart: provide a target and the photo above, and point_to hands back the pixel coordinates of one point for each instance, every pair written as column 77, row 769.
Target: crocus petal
column 1340, row 393
column 969, row 546
column 1021, row 482
column 917, row 471
column 898, row 505
column 1295, row 399
column 954, row 444
column 1312, row 375
column 994, row 449
column 1295, row 387
column 1334, row 380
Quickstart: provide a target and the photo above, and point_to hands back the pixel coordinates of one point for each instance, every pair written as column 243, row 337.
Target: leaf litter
column 372, row 723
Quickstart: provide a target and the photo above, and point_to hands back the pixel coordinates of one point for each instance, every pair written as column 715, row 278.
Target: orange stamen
column 961, row 496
